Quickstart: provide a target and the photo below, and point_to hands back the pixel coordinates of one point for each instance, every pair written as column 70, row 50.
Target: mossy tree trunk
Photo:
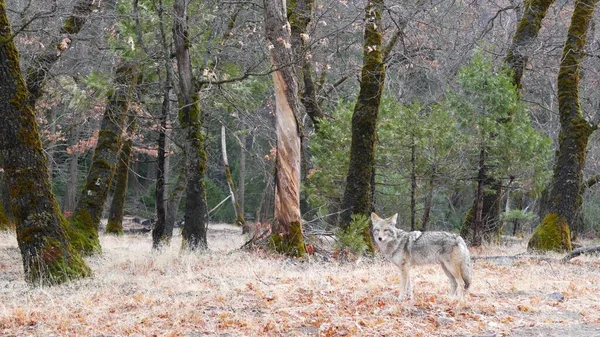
column 194, row 230
column 48, row 257
column 516, row 59
column 86, row 216
column 116, row 210
column 527, row 31
column 564, row 202
column 357, row 194
column 287, row 234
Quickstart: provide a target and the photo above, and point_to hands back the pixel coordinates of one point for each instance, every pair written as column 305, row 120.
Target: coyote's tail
column 465, row 266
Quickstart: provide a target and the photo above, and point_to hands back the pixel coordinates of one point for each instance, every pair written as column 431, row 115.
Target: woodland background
column 176, row 103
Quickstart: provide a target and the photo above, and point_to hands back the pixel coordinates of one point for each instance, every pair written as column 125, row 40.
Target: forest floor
column 232, row 292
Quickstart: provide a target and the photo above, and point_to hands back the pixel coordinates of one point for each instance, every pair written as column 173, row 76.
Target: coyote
column 415, row 248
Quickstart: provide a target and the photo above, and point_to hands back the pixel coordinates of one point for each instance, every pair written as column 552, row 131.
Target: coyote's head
column 384, row 230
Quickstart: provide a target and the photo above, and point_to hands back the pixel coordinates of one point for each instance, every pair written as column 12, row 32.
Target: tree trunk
column 565, row 196
column 478, row 221
column 239, row 215
column 70, row 197
column 173, row 204
column 287, row 234
column 242, row 178
column 429, row 199
column 86, row 216
column 159, row 232
column 48, row 257
column 413, row 185
column 115, row 216
column 5, row 223
column 357, row 196
column 527, row 31
column 300, row 13
column 194, row 230
column 37, row 73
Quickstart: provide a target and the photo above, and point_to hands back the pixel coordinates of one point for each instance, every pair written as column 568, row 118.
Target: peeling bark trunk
column 287, row 234
column 194, row 230
column 357, row 196
column 86, row 216
column 115, row 216
column 48, row 257
column 564, row 203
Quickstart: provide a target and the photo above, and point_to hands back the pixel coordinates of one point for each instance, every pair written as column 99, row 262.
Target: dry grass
column 226, row 292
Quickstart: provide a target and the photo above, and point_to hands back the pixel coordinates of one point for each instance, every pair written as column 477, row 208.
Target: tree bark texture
column 48, row 257
column 5, row 223
column 564, row 202
column 37, row 73
column 527, row 31
column 194, row 230
column 116, row 210
column 86, row 216
column 357, row 196
column 287, row 234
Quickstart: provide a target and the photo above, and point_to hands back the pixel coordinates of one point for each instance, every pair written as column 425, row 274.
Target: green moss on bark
column 552, row 234
column 291, row 244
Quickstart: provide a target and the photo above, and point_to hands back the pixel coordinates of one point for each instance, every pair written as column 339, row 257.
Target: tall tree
column 194, row 230
column 86, row 216
column 116, row 210
column 357, row 195
column 163, row 229
column 483, row 219
column 286, row 234
column 48, row 257
column 567, row 183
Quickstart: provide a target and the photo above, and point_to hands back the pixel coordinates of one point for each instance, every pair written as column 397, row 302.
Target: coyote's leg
column 405, row 286
column 453, row 283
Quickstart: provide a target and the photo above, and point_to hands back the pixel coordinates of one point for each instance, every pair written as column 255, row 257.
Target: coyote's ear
column 374, row 217
column 394, row 219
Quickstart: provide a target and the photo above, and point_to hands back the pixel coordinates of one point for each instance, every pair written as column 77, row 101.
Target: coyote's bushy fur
column 415, row 248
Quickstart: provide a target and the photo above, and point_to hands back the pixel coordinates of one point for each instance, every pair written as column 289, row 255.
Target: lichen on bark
column 564, row 201
column 357, row 194
column 48, row 257
column 85, row 220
